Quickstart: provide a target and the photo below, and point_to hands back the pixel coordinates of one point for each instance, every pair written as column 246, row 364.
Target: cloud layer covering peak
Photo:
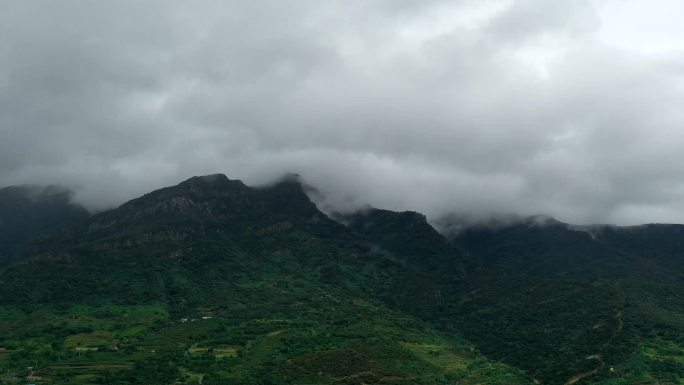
column 468, row 106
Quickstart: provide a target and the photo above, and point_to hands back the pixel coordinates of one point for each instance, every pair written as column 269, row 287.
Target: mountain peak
column 212, row 201
column 211, row 178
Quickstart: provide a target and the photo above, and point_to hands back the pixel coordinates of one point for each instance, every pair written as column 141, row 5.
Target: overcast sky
column 570, row 108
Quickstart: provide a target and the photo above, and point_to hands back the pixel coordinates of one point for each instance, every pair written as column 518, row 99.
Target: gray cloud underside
column 389, row 103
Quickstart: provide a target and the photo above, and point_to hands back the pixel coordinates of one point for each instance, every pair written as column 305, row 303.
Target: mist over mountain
column 480, row 107
column 487, row 192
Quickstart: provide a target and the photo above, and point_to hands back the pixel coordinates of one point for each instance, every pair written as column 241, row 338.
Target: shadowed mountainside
column 29, row 213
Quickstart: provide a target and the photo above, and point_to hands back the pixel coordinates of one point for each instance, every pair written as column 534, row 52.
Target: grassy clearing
column 460, row 361
column 449, row 358
column 662, row 349
column 95, row 338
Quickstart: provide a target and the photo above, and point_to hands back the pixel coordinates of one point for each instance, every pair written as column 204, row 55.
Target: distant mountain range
column 215, row 282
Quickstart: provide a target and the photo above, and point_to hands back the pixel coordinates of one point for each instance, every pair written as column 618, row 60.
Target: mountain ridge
column 239, row 284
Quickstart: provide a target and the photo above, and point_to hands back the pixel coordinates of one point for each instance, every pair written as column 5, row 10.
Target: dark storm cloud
column 475, row 107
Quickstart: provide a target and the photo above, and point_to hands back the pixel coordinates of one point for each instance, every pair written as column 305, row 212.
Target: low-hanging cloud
column 469, row 106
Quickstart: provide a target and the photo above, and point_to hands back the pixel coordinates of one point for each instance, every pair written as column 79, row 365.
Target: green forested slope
column 562, row 279
column 215, row 282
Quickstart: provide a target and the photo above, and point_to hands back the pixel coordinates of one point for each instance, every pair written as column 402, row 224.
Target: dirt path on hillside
column 578, row 377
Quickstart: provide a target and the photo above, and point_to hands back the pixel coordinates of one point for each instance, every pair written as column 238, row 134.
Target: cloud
column 477, row 107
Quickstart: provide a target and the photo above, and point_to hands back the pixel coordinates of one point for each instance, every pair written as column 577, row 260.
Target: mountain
column 408, row 238
column 212, row 281
column 561, row 278
column 30, row 213
column 543, row 246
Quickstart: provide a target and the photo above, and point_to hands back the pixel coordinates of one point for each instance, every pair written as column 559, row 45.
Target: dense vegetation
column 561, row 280
column 215, row 282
